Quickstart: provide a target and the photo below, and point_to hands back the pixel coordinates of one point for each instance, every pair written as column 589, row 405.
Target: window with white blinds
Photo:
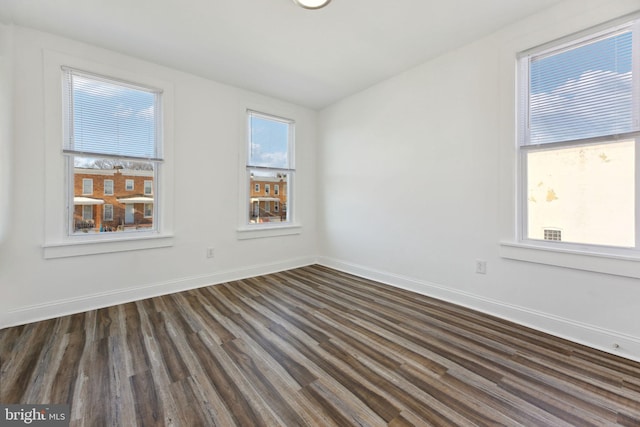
column 110, row 118
column 582, row 89
column 579, row 124
column 111, row 134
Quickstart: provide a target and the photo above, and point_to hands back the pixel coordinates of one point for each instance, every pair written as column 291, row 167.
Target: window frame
column 523, row 147
column 57, row 242
column 70, row 153
column 246, row 229
column 126, row 185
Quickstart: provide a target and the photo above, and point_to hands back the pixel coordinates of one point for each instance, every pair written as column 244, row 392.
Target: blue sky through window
column 611, row 54
column 583, row 91
column 269, row 145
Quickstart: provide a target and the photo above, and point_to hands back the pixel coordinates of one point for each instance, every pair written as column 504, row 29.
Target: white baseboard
column 582, row 333
column 49, row 310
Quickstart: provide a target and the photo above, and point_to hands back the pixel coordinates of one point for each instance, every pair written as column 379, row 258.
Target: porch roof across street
column 136, row 199
column 77, row 200
column 264, row 199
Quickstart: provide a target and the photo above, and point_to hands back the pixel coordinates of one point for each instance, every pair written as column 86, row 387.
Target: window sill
column 607, row 263
column 84, row 247
column 261, row 231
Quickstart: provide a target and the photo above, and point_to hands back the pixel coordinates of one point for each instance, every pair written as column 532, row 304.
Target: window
column 87, row 186
column 107, row 214
column 110, row 125
column 148, row 210
column 108, row 187
column 276, row 206
column 276, row 190
column 579, row 126
column 87, row 212
column 257, row 188
column 550, row 234
column 270, row 159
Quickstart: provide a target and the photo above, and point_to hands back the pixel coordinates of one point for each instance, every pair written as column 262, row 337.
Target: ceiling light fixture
column 312, row 4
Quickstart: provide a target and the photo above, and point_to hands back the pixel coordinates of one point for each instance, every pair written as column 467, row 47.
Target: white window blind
column 582, row 89
column 110, row 118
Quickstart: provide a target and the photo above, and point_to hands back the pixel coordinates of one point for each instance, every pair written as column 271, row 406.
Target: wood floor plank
column 49, row 361
column 18, row 369
column 229, row 393
column 311, row 347
column 65, row 378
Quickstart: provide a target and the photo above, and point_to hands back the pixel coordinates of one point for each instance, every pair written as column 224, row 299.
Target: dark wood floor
column 310, row 346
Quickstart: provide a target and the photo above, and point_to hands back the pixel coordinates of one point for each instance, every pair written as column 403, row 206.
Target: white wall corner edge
column 581, row 333
column 63, row 307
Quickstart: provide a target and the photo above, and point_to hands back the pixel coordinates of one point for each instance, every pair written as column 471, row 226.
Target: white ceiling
column 309, row 57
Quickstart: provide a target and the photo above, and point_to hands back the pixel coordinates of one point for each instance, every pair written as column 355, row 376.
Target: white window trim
column 251, row 232
column 57, row 241
column 613, row 263
column 246, row 230
column 126, row 184
column 605, row 260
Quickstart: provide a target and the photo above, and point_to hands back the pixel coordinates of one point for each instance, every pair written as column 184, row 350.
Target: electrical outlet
column 481, row 266
column 210, row 253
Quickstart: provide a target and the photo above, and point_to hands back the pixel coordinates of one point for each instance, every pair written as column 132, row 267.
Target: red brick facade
column 268, row 199
column 91, row 206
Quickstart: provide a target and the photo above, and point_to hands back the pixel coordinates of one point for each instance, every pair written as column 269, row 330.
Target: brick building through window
column 120, row 199
column 268, row 199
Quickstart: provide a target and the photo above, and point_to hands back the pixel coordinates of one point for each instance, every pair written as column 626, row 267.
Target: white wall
column 209, row 130
column 417, row 182
column 6, row 61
